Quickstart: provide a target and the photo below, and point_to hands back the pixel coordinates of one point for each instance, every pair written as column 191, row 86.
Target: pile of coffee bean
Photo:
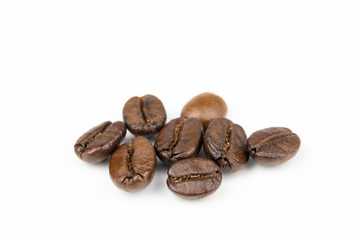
column 132, row 165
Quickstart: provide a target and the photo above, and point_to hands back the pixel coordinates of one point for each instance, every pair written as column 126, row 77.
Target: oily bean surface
column 205, row 107
column 132, row 165
column 179, row 139
column 99, row 142
column 144, row 115
column 273, row 146
column 225, row 143
column 194, row 178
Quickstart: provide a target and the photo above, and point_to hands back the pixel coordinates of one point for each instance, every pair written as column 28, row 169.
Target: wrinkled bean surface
column 99, row 142
column 179, row 139
column 194, row 178
column 225, row 143
column 273, row 146
column 132, row 165
column 144, row 115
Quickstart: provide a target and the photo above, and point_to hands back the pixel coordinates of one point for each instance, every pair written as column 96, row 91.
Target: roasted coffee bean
column 273, row 146
column 98, row 143
column 132, row 165
column 225, row 143
column 194, row 178
column 144, row 115
column 180, row 138
column 205, row 107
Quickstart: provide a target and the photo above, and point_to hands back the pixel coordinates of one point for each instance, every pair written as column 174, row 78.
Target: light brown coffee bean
column 205, row 107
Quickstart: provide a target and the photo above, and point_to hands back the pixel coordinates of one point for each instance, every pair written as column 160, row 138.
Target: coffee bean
column 273, row 146
column 132, row 165
column 194, row 178
column 98, row 143
column 205, row 107
column 180, row 138
column 225, row 143
column 144, row 115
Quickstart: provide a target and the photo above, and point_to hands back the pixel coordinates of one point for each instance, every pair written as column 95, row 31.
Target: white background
column 66, row 66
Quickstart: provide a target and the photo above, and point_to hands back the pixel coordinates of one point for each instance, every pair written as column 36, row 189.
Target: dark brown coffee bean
column 98, row 143
column 225, row 143
column 205, row 107
column 144, row 115
column 273, row 146
column 132, row 165
column 194, row 178
column 180, row 138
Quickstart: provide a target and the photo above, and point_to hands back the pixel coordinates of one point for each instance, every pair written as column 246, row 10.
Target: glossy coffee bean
column 179, row 139
column 194, row 178
column 273, row 146
column 205, row 107
column 132, row 165
column 225, row 143
column 99, row 142
column 144, row 115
